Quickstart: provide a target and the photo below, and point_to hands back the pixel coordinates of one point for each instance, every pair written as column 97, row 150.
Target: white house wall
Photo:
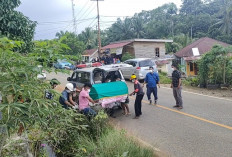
column 147, row 49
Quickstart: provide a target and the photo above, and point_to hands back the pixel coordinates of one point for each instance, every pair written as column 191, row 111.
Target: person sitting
column 64, row 98
column 84, row 100
column 73, row 97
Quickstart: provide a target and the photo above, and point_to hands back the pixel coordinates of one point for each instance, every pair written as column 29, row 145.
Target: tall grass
column 114, row 143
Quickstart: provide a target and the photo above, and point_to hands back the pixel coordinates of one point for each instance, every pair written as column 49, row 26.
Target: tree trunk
column 224, row 73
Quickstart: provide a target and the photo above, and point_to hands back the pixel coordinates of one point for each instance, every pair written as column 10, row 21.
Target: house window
column 157, row 52
column 191, row 66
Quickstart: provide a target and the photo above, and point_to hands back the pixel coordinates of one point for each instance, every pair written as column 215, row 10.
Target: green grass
column 164, row 79
column 114, row 143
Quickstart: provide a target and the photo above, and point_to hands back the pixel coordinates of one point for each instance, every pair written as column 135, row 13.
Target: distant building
column 139, row 48
column 88, row 55
column 191, row 53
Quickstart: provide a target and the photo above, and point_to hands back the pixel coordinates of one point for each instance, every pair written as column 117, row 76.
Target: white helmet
column 70, row 87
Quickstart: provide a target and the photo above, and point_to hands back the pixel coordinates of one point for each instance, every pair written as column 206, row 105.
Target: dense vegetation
column 29, row 122
column 195, row 19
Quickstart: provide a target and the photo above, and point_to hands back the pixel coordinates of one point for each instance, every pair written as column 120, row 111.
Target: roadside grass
column 114, row 143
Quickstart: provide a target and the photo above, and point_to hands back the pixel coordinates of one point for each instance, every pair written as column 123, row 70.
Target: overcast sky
column 55, row 15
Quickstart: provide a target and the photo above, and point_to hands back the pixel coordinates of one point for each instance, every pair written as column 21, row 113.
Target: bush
column 126, row 56
column 194, row 81
column 164, row 79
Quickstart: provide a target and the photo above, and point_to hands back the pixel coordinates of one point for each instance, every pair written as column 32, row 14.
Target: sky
column 56, row 15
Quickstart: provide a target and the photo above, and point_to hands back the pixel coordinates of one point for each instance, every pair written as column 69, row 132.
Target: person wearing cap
column 177, row 86
column 54, row 82
column 138, row 90
column 151, row 80
column 84, row 100
column 64, row 98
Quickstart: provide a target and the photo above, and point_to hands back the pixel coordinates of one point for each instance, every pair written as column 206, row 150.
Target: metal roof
column 119, row 44
column 139, row 59
column 89, row 52
column 115, row 45
column 90, row 69
column 203, row 44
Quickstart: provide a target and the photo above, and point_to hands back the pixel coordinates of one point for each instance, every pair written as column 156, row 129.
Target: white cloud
column 61, row 10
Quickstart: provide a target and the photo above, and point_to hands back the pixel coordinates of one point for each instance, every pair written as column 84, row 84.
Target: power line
column 83, row 7
column 85, row 11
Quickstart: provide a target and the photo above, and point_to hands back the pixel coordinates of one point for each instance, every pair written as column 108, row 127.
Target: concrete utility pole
column 99, row 30
column 74, row 18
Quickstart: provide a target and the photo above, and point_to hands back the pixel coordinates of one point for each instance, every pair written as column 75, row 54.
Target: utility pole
column 74, row 18
column 99, row 31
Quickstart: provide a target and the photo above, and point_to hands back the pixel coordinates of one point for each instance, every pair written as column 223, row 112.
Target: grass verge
column 114, row 143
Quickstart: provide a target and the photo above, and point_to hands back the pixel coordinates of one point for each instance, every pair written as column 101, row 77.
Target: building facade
column 139, row 48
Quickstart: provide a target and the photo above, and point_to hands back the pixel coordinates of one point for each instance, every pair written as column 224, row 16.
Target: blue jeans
column 89, row 112
column 152, row 90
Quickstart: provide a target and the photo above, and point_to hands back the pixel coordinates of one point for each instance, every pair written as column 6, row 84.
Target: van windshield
column 146, row 63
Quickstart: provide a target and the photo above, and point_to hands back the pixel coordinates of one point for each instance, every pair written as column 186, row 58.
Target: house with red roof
column 88, row 55
column 191, row 53
column 139, row 48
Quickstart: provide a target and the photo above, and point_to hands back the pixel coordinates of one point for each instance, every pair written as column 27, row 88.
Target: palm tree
column 60, row 34
column 88, row 37
column 138, row 28
column 121, row 30
column 225, row 20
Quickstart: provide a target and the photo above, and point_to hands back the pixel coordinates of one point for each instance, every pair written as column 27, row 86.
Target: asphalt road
column 203, row 128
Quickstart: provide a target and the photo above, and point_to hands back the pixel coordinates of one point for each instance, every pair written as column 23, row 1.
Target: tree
column 137, row 26
column 60, row 34
column 88, row 37
column 15, row 25
column 191, row 7
column 76, row 46
column 225, row 18
column 120, row 30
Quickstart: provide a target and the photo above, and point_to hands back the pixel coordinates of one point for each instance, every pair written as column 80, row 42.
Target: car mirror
column 69, row 79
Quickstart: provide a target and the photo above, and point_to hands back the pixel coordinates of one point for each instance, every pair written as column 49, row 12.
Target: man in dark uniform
column 138, row 90
column 177, row 87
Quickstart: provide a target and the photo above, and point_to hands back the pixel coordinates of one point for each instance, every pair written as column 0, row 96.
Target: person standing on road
column 151, row 80
column 138, row 90
column 177, row 87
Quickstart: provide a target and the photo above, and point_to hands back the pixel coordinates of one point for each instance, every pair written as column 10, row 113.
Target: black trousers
column 138, row 104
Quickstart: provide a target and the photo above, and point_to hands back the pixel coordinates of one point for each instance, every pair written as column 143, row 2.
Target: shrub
column 194, row 81
column 127, row 56
column 164, row 79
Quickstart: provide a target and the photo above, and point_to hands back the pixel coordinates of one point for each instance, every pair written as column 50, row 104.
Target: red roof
column 162, row 62
column 89, row 52
column 203, row 44
column 116, row 45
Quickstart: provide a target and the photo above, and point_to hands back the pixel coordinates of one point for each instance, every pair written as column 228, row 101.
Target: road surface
column 203, row 128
